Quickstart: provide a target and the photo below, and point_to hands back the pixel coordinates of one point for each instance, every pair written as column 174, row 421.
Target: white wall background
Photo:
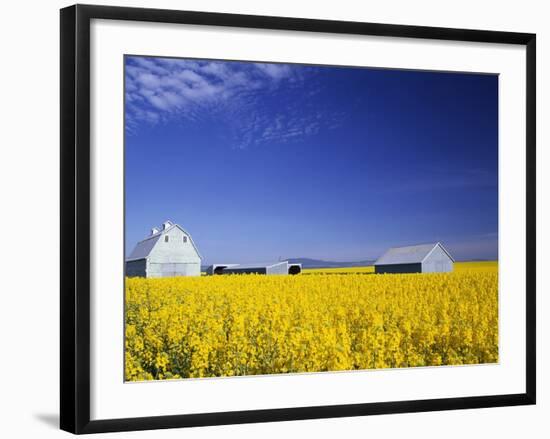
column 29, row 203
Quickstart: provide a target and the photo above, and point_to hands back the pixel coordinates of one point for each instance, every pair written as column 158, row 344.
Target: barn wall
column 278, row 269
column 437, row 262
column 136, row 268
column 170, row 269
column 175, row 250
column 398, row 268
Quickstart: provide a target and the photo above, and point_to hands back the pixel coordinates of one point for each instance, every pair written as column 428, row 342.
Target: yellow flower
column 322, row 320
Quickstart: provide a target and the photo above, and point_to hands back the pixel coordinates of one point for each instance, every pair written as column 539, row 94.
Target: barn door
column 181, row 269
column 168, row 270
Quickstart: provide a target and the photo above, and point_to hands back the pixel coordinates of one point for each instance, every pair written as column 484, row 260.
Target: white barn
column 166, row 252
column 423, row 258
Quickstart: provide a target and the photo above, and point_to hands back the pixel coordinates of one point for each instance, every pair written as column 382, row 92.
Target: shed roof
column 254, row 265
column 412, row 254
column 143, row 248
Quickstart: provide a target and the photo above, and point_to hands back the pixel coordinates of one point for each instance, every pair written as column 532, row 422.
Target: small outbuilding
column 282, row 267
column 424, row 258
column 218, row 268
column 168, row 251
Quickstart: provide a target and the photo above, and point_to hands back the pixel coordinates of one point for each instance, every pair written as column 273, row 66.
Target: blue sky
column 262, row 161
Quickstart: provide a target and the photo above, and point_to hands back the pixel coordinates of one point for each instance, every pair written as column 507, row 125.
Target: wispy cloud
column 274, row 71
column 234, row 93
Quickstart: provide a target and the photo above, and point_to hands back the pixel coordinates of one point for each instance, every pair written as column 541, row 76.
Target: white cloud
column 274, row 71
column 160, row 89
column 174, row 86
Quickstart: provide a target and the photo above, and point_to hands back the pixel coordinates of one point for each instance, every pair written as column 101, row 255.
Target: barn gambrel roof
column 143, row 248
column 413, row 254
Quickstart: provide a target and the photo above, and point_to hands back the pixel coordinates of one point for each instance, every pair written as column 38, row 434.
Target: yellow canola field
column 213, row 326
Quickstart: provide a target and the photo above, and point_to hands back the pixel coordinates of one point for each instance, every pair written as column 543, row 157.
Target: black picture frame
column 75, row 217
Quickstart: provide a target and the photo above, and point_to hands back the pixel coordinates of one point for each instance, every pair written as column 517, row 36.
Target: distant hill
column 319, row 263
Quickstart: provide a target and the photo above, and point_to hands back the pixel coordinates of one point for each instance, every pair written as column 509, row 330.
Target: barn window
column 185, row 239
column 166, row 238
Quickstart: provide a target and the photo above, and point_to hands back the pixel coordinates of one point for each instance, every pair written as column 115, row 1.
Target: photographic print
column 292, row 218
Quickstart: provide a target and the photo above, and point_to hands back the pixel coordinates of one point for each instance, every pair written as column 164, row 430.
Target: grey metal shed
column 168, row 251
column 282, row 267
column 218, row 268
column 423, row 258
